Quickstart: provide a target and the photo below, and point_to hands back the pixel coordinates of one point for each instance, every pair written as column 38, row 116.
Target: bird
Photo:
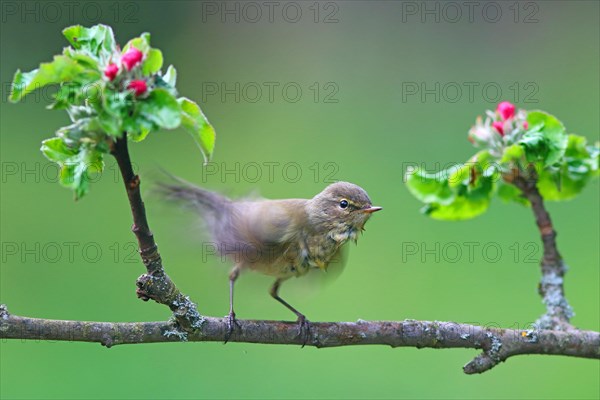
column 282, row 238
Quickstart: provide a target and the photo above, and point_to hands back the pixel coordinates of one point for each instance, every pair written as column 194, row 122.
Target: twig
column 497, row 344
column 155, row 284
column 558, row 310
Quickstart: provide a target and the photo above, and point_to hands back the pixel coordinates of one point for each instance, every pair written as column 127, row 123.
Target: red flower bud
column 138, row 86
column 132, row 58
column 111, row 71
column 506, row 110
column 499, row 126
column 525, row 125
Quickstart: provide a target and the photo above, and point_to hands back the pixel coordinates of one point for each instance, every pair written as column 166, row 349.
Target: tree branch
column 155, row 284
column 497, row 344
column 558, row 310
column 553, row 333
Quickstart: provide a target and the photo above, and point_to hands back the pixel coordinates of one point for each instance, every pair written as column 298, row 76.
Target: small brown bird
column 281, row 238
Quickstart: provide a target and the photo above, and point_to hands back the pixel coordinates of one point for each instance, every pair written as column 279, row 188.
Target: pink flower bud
column 525, row 125
column 506, row 110
column 499, row 126
column 138, row 86
column 132, row 58
column 111, row 71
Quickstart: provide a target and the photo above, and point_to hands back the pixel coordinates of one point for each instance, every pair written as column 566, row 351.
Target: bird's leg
column 231, row 322
column 303, row 323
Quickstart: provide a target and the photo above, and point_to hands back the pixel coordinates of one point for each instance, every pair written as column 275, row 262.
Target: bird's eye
column 344, row 203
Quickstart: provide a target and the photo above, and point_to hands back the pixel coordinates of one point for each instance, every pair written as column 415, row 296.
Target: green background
column 369, row 134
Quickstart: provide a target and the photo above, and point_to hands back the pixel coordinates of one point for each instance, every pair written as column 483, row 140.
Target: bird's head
column 342, row 208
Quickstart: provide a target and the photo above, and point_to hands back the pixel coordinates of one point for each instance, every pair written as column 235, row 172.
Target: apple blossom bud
column 138, row 86
column 506, row 110
column 132, row 58
column 525, row 125
column 499, row 126
column 111, row 71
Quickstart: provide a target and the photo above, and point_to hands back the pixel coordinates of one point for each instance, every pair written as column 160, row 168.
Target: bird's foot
column 231, row 325
column 303, row 329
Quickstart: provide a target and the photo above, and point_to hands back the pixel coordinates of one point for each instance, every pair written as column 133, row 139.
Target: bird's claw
column 303, row 329
column 231, row 325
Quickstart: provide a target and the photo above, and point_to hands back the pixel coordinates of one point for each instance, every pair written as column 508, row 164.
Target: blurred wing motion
column 254, row 232
column 317, row 279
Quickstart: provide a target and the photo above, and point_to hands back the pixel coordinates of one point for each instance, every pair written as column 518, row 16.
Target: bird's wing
column 316, row 278
column 269, row 222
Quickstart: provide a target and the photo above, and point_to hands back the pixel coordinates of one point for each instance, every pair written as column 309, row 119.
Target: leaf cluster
column 564, row 164
column 102, row 108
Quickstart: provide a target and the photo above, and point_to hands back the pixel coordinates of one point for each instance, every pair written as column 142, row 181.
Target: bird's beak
column 371, row 209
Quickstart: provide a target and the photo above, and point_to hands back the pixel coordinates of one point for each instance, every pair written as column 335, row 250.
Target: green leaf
column 194, row 121
column 508, row 193
column 138, row 127
column 577, row 148
column 66, row 95
column 461, row 175
column 545, row 139
column 456, row 193
column 429, row 188
column 535, row 146
column 75, row 93
column 75, row 172
column 468, row 201
column 161, row 108
column 81, row 57
column 153, row 62
column 109, row 124
column 98, row 40
column 568, row 180
column 117, row 103
column 460, row 209
column 141, row 43
column 76, row 164
column 559, row 186
column 84, row 130
column 170, row 77
column 56, row 150
column 61, row 69
column 79, row 112
column 138, row 136
column 115, row 107
column 513, row 154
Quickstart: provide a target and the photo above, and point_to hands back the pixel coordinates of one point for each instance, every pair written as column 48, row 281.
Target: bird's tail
column 191, row 196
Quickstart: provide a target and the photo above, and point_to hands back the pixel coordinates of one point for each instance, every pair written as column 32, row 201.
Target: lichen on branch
column 497, row 344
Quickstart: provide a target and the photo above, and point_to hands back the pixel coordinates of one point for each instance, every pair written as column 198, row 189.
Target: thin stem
column 147, row 245
column 558, row 310
column 155, row 284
